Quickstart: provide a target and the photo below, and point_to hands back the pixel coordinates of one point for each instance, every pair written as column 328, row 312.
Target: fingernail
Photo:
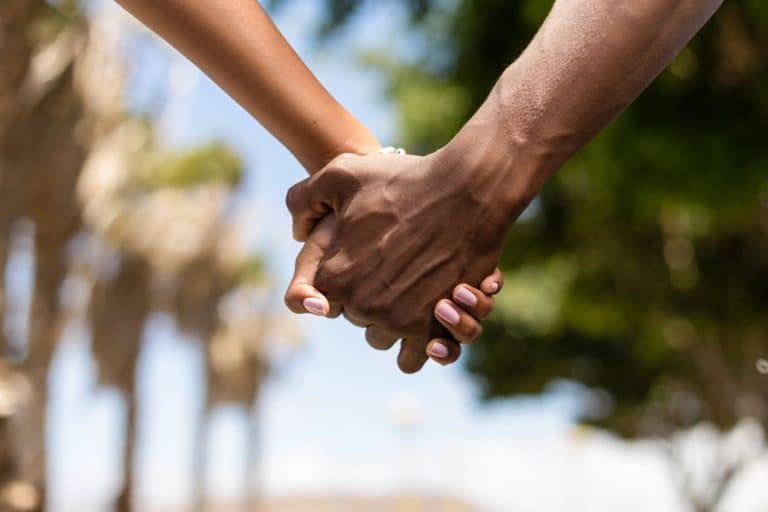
column 493, row 287
column 447, row 313
column 438, row 350
column 315, row 306
column 465, row 296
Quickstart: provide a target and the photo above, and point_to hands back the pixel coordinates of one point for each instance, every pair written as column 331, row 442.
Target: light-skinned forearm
column 237, row 45
column 588, row 62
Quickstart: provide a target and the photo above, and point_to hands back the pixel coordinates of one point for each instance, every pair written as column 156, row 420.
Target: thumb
column 322, row 193
column 302, row 296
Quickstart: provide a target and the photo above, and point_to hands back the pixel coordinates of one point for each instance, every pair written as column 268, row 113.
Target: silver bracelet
column 391, row 150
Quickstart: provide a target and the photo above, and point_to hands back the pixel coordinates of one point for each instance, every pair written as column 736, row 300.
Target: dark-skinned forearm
column 588, row 62
column 237, row 45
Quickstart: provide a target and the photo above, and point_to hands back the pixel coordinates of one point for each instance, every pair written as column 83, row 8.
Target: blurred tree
column 122, row 227
column 36, row 88
column 641, row 272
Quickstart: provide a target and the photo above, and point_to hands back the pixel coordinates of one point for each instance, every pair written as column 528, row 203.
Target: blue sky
column 328, row 414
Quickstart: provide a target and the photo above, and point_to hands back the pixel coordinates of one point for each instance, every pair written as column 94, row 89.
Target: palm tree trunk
column 253, row 458
column 117, row 312
column 200, row 461
column 3, row 261
column 29, row 423
column 27, row 430
column 124, row 501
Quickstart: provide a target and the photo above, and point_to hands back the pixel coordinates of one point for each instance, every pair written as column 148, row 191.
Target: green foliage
column 423, row 97
column 214, row 162
column 642, row 269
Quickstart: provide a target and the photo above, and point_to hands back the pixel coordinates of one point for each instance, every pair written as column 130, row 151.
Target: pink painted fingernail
column 465, row 296
column 315, row 306
column 447, row 313
column 438, row 350
column 493, row 287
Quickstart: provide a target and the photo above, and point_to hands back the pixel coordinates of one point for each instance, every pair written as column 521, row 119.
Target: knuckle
column 355, row 318
column 486, row 307
column 292, row 198
column 373, row 338
column 341, row 164
column 341, row 172
column 336, row 309
column 410, row 362
column 469, row 332
column 379, row 339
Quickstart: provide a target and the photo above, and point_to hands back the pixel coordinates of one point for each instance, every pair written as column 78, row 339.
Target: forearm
column 589, row 61
column 237, row 45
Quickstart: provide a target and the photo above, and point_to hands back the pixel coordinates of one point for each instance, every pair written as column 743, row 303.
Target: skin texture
column 402, row 236
column 399, row 241
column 444, row 349
column 238, row 46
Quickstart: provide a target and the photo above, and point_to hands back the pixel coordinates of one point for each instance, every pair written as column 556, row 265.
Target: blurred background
column 148, row 362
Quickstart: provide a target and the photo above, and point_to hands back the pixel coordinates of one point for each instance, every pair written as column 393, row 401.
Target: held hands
column 407, row 229
column 471, row 305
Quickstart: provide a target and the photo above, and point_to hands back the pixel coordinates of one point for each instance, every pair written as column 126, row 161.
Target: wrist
column 356, row 141
column 501, row 169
